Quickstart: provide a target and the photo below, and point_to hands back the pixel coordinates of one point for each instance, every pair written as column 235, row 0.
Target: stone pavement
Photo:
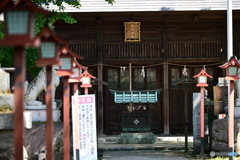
column 142, row 155
column 166, row 148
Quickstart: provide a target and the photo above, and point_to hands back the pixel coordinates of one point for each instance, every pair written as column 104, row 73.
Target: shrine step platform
column 136, row 138
column 164, row 142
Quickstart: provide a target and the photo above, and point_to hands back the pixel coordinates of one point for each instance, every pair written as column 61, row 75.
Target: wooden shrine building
column 148, row 53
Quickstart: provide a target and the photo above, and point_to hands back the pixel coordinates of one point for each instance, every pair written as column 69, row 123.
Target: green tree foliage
column 6, row 53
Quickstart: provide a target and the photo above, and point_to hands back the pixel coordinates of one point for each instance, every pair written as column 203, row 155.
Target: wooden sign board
column 132, row 31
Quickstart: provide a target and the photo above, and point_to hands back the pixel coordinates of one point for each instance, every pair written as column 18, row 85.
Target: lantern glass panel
column 48, row 49
column 76, row 73
column 66, row 63
column 232, row 71
column 17, row 22
column 86, row 80
column 202, row 79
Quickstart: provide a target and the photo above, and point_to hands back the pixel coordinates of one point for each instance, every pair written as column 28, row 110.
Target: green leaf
column 6, row 56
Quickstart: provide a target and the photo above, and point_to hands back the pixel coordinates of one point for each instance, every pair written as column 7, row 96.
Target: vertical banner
column 87, row 127
column 75, row 127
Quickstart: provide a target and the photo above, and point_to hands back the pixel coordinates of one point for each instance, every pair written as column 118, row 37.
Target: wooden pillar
column 100, row 86
column 231, row 118
column 186, row 117
column 202, row 120
column 165, row 85
column 19, row 79
column 224, row 50
column 49, row 123
column 66, row 136
column 165, row 99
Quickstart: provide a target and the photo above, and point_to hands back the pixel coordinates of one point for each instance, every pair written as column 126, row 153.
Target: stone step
column 136, row 134
column 159, row 137
column 175, row 138
column 137, row 138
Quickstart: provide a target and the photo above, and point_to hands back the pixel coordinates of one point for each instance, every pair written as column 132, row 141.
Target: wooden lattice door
column 119, row 79
column 177, row 104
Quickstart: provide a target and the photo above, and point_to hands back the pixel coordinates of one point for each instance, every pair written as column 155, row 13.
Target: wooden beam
column 126, row 62
column 195, row 61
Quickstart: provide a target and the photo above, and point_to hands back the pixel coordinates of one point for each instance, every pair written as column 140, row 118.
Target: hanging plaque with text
column 132, row 31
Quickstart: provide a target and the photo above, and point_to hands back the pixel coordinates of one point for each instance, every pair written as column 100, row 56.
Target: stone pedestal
column 7, row 99
column 220, row 135
column 237, row 112
column 196, row 123
column 7, row 137
column 4, row 79
column 237, row 109
column 39, row 113
column 6, row 121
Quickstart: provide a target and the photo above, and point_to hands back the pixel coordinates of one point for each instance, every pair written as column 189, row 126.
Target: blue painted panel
column 143, row 96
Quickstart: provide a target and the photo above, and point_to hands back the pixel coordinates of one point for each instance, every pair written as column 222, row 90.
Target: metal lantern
column 67, row 58
column 231, row 68
column 202, row 82
column 66, row 63
column 202, row 78
column 86, row 79
column 231, row 75
column 232, row 71
column 19, row 22
column 48, row 51
column 77, row 71
column 16, row 17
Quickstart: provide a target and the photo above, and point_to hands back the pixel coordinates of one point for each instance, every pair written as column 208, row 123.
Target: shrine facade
column 149, row 56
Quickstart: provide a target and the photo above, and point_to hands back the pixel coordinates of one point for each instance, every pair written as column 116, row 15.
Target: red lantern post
column 67, row 58
column 75, row 79
column 202, row 82
column 86, row 81
column 48, row 57
column 231, row 74
column 19, row 32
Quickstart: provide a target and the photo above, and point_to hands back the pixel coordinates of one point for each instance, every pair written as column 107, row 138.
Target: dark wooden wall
column 168, row 40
